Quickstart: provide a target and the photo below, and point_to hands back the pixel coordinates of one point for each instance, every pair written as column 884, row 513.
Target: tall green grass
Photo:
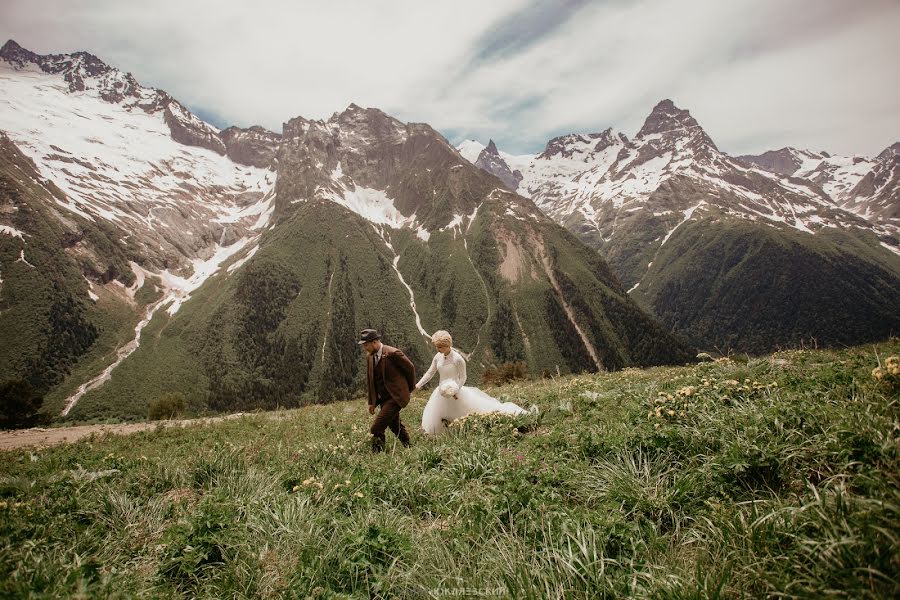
column 771, row 477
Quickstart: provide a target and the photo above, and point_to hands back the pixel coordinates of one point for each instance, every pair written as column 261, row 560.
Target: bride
column 452, row 399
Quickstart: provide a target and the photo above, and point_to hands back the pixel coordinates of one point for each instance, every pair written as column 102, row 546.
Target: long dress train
column 442, row 409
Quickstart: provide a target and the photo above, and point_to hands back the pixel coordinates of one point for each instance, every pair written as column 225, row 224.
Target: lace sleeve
column 460, row 370
column 429, row 373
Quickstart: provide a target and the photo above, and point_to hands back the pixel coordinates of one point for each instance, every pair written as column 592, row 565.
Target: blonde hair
column 442, row 337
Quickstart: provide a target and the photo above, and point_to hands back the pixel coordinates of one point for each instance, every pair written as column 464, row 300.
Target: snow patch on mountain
column 104, row 155
column 373, row 205
column 180, row 288
column 394, row 263
column 12, row 231
column 470, row 149
column 598, row 180
column 262, row 209
column 687, row 217
column 240, row 262
column 110, row 146
column 22, row 259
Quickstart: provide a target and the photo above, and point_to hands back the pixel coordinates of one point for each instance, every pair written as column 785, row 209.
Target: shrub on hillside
column 168, row 406
column 888, row 375
column 509, row 371
column 19, row 404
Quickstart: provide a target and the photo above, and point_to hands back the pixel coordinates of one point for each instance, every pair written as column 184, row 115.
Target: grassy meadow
column 744, row 478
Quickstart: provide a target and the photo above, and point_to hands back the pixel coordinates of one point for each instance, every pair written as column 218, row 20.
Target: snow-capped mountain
column 135, row 157
column 877, row 194
column 596, row 182
column 633, row 199
column 836, row 175
column 786, row 161
column 267, row 252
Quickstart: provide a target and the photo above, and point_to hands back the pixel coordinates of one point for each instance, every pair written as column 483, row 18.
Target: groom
column 391, row 378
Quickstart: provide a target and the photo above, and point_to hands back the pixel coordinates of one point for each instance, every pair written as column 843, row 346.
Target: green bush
column 508, row 371
column 19, row 404
column 167, row 406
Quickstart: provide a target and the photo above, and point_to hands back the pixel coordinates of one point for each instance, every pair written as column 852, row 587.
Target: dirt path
column 39, row 436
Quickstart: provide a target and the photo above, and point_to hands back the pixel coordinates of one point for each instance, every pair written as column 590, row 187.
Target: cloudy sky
column 757, row 74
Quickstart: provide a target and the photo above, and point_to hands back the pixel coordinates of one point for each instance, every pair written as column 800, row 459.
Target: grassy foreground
column 768, row 477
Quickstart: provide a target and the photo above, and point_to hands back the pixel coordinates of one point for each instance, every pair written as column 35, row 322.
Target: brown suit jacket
column 399, row 375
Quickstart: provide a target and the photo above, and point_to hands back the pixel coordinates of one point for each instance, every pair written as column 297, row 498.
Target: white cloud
column 757, row 74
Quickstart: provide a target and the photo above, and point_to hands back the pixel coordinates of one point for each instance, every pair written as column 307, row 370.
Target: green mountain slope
column 735, row 257
column 281, row 329
column 49, row 325
column 732, row 284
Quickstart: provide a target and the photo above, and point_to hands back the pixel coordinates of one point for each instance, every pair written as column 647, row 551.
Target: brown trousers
column 388, row 418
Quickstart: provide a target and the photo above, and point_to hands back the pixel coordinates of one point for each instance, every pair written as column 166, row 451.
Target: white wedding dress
column 442, row 409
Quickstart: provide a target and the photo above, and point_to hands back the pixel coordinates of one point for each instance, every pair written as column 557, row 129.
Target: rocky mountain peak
column 785, row 161
column 75, row 67
column 890, row 152
column 357, row 114
column 665, row 116
column 566, row 146
column 363, row 126
column 84, row 72
column 254, row 146
column 668, row 121
column 490, row 160
column 91, row 65
column 16, row 55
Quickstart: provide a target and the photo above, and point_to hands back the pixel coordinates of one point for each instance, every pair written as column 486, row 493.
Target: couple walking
column 391, row 380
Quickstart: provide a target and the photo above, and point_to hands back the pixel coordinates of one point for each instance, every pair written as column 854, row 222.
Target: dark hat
column 368, row 335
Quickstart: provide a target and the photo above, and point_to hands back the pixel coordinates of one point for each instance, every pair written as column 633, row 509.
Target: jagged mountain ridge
column 877, row 195
column 265, row 273
column 134, row 156
column 490, row 160
column 634, row 199
column 864, row 186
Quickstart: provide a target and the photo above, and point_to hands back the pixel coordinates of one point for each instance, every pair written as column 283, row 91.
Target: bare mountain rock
column 254, row 146
column 490, row 160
